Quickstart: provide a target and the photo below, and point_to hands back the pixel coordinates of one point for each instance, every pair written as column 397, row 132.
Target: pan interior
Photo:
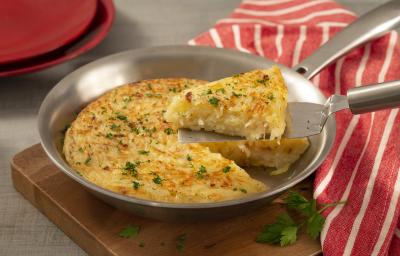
column 87, row 83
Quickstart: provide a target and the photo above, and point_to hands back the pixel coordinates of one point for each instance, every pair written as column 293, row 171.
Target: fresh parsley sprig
column 284, row 230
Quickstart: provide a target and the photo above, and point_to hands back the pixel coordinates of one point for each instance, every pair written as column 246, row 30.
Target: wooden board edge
column 62, row 219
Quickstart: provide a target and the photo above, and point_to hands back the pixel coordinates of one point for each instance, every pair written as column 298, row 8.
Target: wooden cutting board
column 94, row 225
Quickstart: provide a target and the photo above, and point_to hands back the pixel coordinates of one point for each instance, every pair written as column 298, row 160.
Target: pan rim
column 53, row 154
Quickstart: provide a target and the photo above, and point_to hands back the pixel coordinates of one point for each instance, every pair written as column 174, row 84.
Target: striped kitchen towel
column 363, row 166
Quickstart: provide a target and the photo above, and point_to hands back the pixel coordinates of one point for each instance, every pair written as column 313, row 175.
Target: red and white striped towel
column 363, row 167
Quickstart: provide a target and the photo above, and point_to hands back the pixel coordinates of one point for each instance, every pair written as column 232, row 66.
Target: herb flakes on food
column 144, row 152
column 130, row 168
column 226, row 169
column 169, row 131
column 200, row 173
column 214, row 101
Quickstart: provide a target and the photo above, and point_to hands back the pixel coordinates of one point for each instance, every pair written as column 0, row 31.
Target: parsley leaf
column 157, row 179
column 315, row 224
column 272, row 233
column 131, row 168
column 129, row 231
column 144, row 152
column 88, row 159
column 136, row 185
column 288, row 235
column 226, row 169
column 169, row 131
column 222, row 90
column 122, row 117
column 284, row 230
column 180, row 242
column 189, row 157
column 201, row 172
column 300, row 203
column 214, row 101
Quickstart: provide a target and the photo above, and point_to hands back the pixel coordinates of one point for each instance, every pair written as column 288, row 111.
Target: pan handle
column 369, row 26
column 370, row 98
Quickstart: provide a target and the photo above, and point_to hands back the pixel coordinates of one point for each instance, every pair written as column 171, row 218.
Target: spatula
column 307, row 119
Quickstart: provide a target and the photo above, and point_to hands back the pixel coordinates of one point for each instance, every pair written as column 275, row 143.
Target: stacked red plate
column 39, row 34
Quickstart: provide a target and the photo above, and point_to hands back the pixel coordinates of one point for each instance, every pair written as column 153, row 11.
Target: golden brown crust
column 121, row 142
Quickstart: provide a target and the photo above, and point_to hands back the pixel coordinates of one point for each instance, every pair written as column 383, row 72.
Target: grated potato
column 252, row 105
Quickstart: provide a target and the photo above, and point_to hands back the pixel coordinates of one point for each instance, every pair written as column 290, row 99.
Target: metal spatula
column 306, row 119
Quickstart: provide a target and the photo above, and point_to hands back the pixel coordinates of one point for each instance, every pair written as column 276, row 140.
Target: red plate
column 29, row 28
column 95, row 34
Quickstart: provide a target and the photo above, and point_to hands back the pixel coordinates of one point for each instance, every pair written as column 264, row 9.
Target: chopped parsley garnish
column 214, row 101
column 136, row 185
column 144, row 152
column 243, row 190
column 200, row 173
column 115, row 127
column 149, row 86
column 157, row 179
column 226, row 169
column 87, row 161
column 173, row 90
column 271, row 97
column 189, row 157
column 180, row 242
column 222, row 90
column 156, row 95
column 131, row 168
column 237, row 94
column 149, row 131
column 135, row 129
column 284, row 230
column 109, row 135
column 127, row 99
column 129, row 231
column 209, row 91
column 262, row 81
column 122, row 117
column 169, row 131
column 80, row 150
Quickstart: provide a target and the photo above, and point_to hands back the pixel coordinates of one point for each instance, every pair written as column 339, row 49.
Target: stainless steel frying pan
column 87, row 83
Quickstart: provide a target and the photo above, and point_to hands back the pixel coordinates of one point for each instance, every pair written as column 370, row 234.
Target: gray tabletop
column 139, row 23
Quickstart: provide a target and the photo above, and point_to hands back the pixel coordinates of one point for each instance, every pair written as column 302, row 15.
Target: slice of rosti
column 268, row 153
column 252, row 105
column 121, row 142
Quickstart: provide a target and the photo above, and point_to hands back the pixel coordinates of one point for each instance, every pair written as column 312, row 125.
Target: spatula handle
column 374, row 97
column 369, row 26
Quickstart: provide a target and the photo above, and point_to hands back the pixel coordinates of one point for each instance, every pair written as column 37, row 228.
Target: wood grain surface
column 94, row 225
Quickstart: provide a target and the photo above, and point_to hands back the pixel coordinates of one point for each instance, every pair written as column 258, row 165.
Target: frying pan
column 89, row 82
